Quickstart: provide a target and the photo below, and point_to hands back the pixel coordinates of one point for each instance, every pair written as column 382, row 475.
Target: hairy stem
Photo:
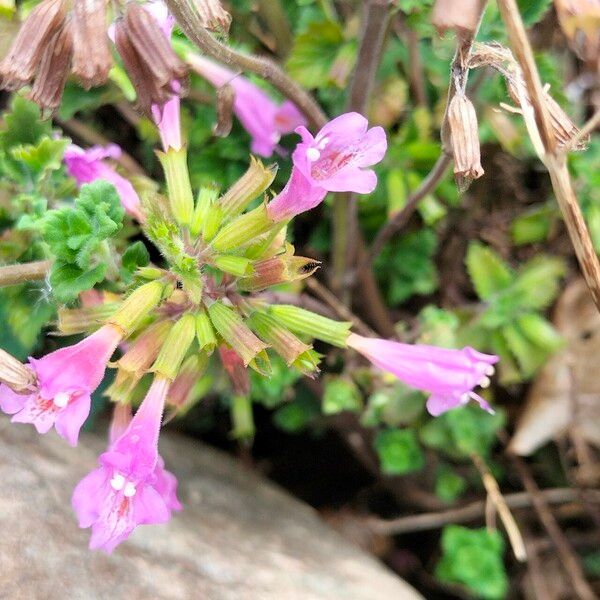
column 20, row 273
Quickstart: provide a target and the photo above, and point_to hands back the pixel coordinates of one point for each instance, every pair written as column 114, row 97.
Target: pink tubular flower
column 89, row 165
column 263, row 118
column 66, row 379
column 131, row 486
column 448, row 375
column 335, row 159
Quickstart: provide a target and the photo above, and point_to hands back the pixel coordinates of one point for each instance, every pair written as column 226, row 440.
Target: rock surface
column 238, row 537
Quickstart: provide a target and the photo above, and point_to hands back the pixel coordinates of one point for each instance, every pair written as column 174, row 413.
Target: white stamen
column 129, row 490
column 313, row 154
column 61, row 399
column 117, row 482
column 489, row 370
column 484, row 382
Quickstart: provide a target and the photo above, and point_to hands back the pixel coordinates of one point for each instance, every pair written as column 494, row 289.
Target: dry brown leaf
column 568, row 388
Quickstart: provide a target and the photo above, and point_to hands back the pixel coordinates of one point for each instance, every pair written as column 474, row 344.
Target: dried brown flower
column 464, row 137
column 225, row 101
column 214, row 16
column 23, row 59
column 54, row 68
column 460, row 15
column 149, row 59
column 14, row 374
column 91, row 54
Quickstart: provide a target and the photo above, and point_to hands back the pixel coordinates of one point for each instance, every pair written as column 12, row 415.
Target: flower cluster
column 208, row 302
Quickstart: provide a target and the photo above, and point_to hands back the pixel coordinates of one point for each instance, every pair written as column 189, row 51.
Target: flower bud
column 251, row 185
column 175, row 348
column 461, row 15
column 205, row 334
column 24, row 57
column 464, row 137
column 237, row 371
column 213, row 16
column 181, row 392
column 17, row 376
column 181, row 199
column 91, row 54
column 207, row 196
column 305, row 322
column 237, row 334
column 239, row 266
column 54, row 68
column 84, row 319
column 137, row 306
column 244, row 229
column 283, row 268
column 284, row 342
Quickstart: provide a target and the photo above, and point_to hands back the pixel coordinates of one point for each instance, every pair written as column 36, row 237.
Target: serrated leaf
column 473, row 557
column 537, row 282
column 529, row 356
column 399, row 451
column 135, row 256
column 489, row 273
column 540, row 332
column 68, row 280
column 340, row 394
column 314, row 52
column 22, row 125
column 42, row 157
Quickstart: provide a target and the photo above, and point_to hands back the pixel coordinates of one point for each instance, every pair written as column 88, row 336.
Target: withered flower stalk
column 91, row 54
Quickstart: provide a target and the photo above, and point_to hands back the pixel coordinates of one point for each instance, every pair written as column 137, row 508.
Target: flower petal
column 70, row 420
column 11, row 402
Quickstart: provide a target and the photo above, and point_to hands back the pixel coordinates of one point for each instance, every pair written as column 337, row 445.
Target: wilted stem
column 189, row 20
column 20, row 273
column 550, row 155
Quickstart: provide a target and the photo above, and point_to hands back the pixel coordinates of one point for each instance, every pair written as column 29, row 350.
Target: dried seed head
column 580, row 21
column 464, row 137
column 461, row 15
column 23, row 59
column 214, row 17
column 154, row 68
column 563, row 128
column 91, row 54
column 14, row 374
column 54, row 68
column 225, row 100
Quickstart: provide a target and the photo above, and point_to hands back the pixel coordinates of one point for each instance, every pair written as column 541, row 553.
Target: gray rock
column 238, row 537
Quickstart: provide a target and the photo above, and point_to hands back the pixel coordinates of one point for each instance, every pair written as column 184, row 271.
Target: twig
column 470, row 512
column 540, row 128
column 495, row 496
column 338, row 307
column 399, row 220
column 189, row 20
column 20, row 273
column 566, row 554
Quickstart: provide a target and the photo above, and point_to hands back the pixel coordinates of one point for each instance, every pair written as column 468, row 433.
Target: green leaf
column 529, row 356
column 135, row 256
column 449, row 486
column 22, row 125
column 537, row 282
column 533, row 225
column 340, row 394
column 533, row 11
column 295, row 416
column 473, row 558
column 488, row 272
column 68, row 280
column 540, row 332
column 314, row 52
column 399, row 451
column 42, row 157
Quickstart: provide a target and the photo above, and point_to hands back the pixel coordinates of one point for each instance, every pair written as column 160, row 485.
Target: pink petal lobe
column 70, row 420
column 11, row 402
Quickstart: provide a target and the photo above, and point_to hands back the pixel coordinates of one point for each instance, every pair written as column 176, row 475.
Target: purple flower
column 131, row 486
column 89, row 165
column 263, row 118
column 66, row 379
column 448, row 375
column 335, row 159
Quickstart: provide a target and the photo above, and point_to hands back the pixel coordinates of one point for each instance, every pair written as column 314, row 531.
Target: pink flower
column 89, row 165
column 263, row 118
column 448, row 375
column 66, row 379
column 335, row 159
column 130, row 487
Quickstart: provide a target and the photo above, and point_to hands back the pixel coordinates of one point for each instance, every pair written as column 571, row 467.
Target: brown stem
column 20, row 273
column 376, row 15
column 553, row 159
column 189, row 20
column 470, row 512
column 567, row 556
